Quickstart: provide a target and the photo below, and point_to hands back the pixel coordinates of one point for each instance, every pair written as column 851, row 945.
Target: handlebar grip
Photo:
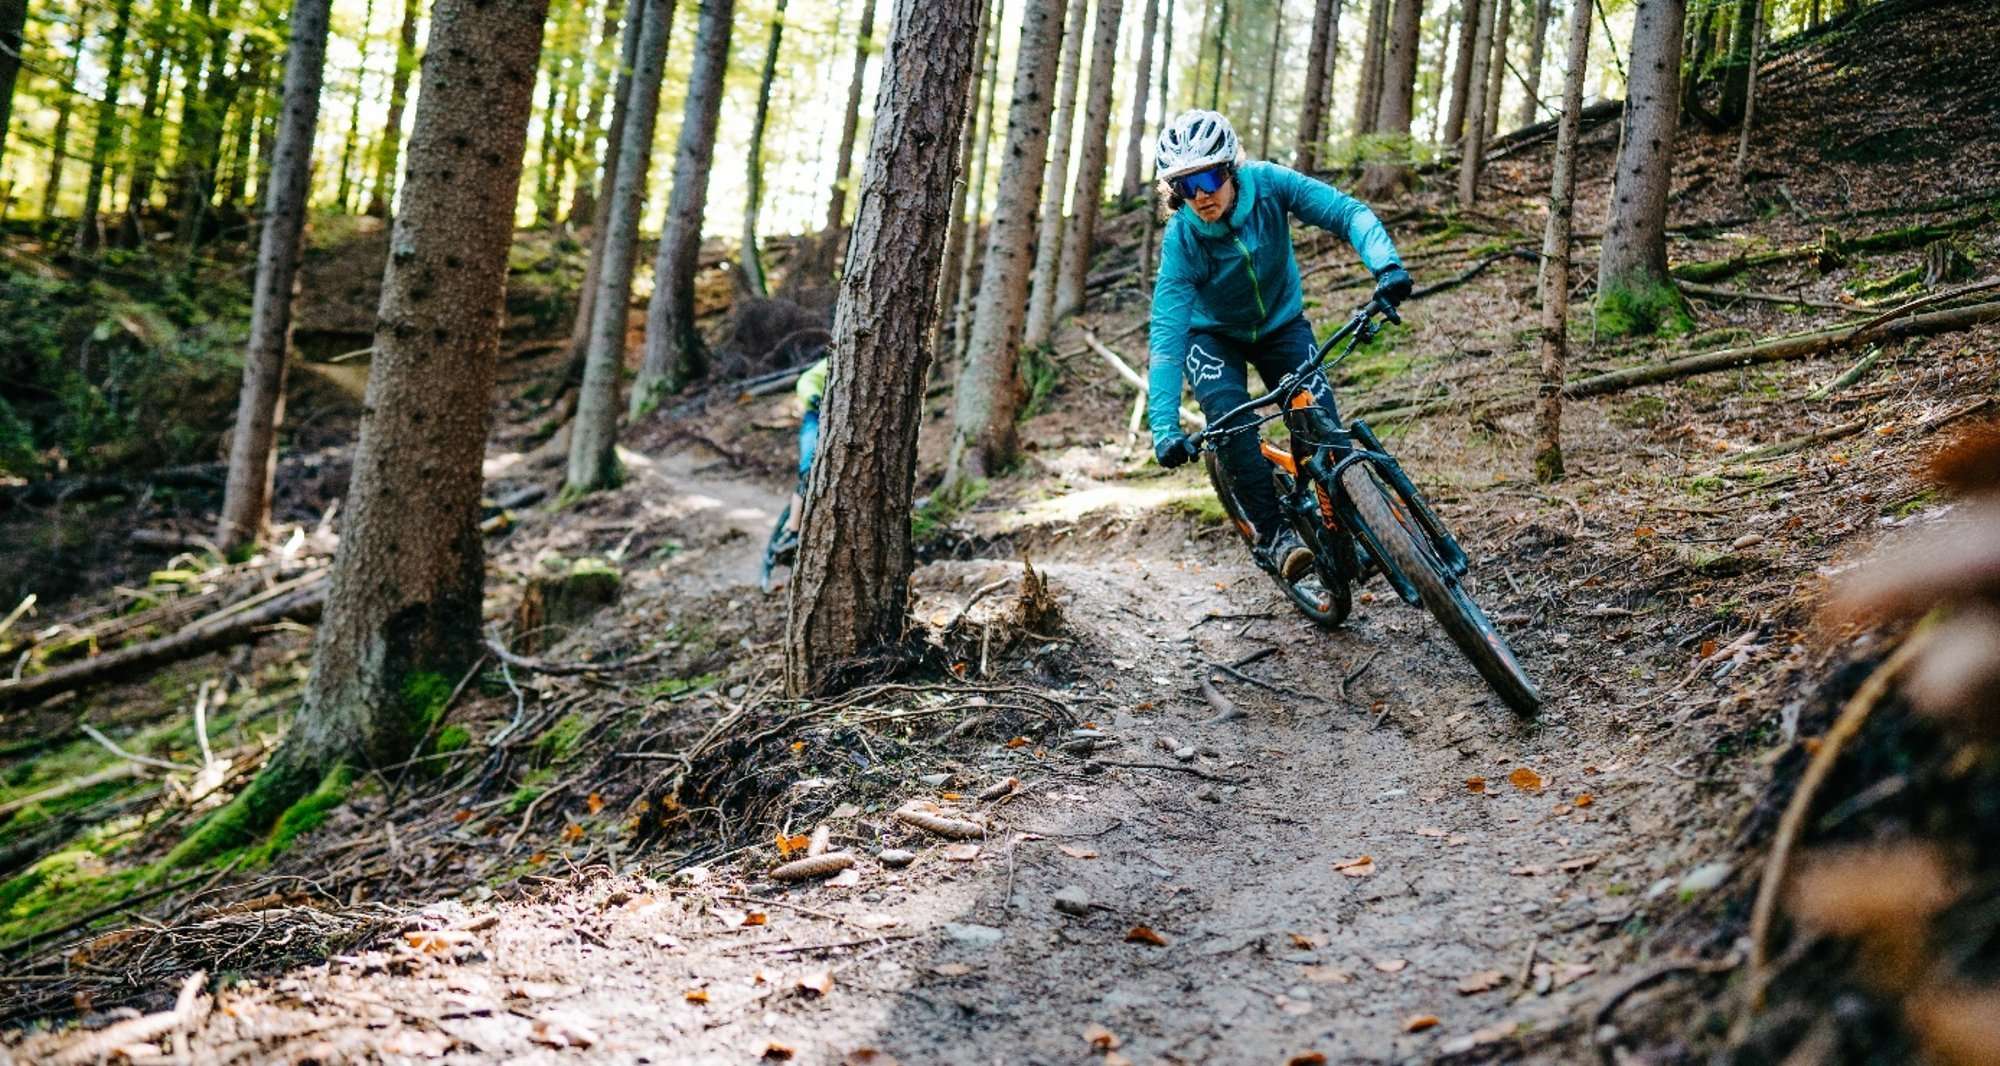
column 1388, row 310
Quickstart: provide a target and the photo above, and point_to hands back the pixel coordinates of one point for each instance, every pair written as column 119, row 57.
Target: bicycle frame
column 1328, row 496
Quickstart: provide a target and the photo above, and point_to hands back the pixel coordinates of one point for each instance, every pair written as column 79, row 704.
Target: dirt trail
column 1227, row 852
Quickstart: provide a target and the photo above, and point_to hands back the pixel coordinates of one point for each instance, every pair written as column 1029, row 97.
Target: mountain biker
column 1228, row 295
column 810, row 390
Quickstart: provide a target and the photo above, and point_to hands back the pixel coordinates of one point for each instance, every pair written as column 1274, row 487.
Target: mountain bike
column 780, row 549
column 1351, row 503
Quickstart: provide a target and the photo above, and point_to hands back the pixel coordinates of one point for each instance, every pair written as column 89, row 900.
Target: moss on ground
column 944, row 506
column 1643, row 309
column 1203, row 507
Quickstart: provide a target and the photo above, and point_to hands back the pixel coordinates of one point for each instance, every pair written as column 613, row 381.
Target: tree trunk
column 1736, row 69
column 88, row 236
column 146, row 141
column 675, row 353
column 1271, row 82
column 850, row 595
column 583, row 203
column 1385, row 179
column 1081, row 240
column 1135, row 135
column 1461, row 69
column 593, row 452
column 1472, row 151
column 1368, row 91
column 1538, row 39
column 260, row 405
column 1750, row 89
column 1201, row 52
column 1632, row 264
column 1496, row 68
column 547, row 176
column 243, row 132
column 1556, row 252
column 843, row 164
column 1312, row 109
column 1332, row 68
column 383, row 196
column 1221, row 56
column 205, row 140
column 194, row 23
column 13, row 19
column 621, row 95
column 988, row 393
column 753, row 177
column 59, row 140
column 954, row 243
column 1441, row 76
column 401, row 621
column 1055, row 183
column 344, row 196
column 968, row 269
column 568, row 118
column 1148, row 242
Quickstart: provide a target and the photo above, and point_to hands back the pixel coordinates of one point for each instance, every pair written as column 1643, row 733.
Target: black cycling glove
column 1393, row 285
column 1174, row 451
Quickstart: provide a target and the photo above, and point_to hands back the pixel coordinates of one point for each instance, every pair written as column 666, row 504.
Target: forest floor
column 1376, row 862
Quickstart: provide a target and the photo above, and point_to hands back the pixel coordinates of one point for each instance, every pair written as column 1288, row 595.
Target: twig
column 1225, row 710
column 1602, row 1017
column 1776, row 865
column 788, row 949
column 143, row 760
column 103, row 912
column 1196, row 771
column 1349, row 677
column 555, row 669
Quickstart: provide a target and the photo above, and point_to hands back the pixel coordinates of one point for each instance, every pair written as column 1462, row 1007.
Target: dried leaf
column 1484, row 981
column 961, row 852
column 561, row 1033
column 1361, row 867
column 1417, row 1023
column 951, row 797
column 868, row 1056
column 1310, row 1058
column 1526, row 780
column 1430, row 831
column 1018, row 742
column 461, row 816
column 1475, row 784
column 594, row 802
column 1100, row 1038
column 951, row 969
column 1391, row 965
column 1326, row 975
column 776, row 1052
column 755, row 918
column 731, row 917
column 817, row 983
column 1144, row 934
column 1076, row 853
column 1303, row 942
column 696, row 996
column 437, row 941
column 847, row 878
column 1584, row 799
column 792, row 845
column 1581, row 862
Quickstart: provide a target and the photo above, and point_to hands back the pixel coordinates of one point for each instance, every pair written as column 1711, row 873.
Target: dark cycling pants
column 1215, row 367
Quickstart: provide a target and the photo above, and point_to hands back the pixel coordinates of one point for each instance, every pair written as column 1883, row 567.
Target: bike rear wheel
column 1324, row 600
column 1409, row 548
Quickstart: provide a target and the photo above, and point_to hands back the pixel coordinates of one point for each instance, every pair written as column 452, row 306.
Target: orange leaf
column 1143, row 934
column 1100, row 1038
column 697, row 996
column 788, row 845
column 1475, row 784
column 538, row 858
column 1584, row 799
column 819, row 982
column 776, row 1052
column 461, row 816
column 755, row 918
column 594, row 802
column 798, row 746
column 1707, row 649
column 1417, row 1023
column 1018, row 742
column 1310, row 1058
column 1361, row 867
column 1526, row 780
column 950, row 797
column 1303, row 942
column 572, row 833
column 1643, row 532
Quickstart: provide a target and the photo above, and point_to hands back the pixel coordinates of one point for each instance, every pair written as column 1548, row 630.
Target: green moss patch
column 1641, row 310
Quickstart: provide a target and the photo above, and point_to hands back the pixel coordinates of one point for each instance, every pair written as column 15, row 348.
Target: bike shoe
column 1286, row 555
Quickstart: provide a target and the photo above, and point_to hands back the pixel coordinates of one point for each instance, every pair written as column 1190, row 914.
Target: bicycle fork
column 1346, row 517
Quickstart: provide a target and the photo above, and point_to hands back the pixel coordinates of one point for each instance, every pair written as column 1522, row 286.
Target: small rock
column 1073, row 900
column 1186, row 754
column 1166, row 743
column 1747, row 540
column 737, row 692
column 896, row 858
column 934, row 780
column 1207, row 794
column 979, row 936
column 1705, row 878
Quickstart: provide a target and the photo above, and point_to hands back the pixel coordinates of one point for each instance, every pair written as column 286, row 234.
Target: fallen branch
column 1717, row 293
column 1225, row 710
column 1877, row 329
column 1130, row 375
column 556, row 669
column 1852, row 717
column 1847, row 377
column 227, row 628
column 143, row 760
column 117, row 771
column 1477, row 269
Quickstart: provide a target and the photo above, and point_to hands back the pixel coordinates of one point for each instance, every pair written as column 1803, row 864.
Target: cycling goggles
column 1189, row 186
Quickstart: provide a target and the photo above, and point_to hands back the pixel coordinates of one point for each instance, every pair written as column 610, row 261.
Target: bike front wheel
column 1409, row 548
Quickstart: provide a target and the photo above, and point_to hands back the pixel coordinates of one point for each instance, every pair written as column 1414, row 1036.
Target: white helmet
column 1195, row 140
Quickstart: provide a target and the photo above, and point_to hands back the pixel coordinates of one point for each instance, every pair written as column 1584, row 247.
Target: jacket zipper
column 1256, row 287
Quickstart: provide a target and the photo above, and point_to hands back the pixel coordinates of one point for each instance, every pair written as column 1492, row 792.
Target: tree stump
column 559, row 599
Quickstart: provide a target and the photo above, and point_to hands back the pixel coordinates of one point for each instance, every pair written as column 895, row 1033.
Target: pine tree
column 1472, row 150
column 984, row 439
column 675, row 353
column 1556, row 253
column 402, row 619
column 1312, row 108
column 1538, row 39
column 260, row 405
column 1634, row 292
column 383, row 195
column 13, row 19
column 1387, row 177
column 851, row 589
column 106, row 142
column 836, row 210
column 1081, row 239
column 1055, row 183
column 1496, row 67
column 753, row 178
column 614, row 138
column 1135, row 132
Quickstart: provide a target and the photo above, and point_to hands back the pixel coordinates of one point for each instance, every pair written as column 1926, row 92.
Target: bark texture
column 1055, row 183
column 260, row 406
column 1461, row 69
column 1368, row 91
column 1634, row 256
column 1391, row 175
column 1473, row 151
column 850, row 596
column 843, row 166
column 675, row 353
column 592, row 182
column 1556, row 253
column 1081, row 239
column 593, row 441
column 1135, row 134
column 402, row 619
column 954, row 244
column 753, row 170
column 967, row 278
column 1312, row 109
column 983, row 440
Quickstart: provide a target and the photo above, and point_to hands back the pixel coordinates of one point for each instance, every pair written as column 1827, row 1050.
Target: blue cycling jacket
column 1237, row 276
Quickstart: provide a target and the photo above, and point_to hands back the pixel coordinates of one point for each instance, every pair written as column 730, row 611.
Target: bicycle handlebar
column 1356, row 327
